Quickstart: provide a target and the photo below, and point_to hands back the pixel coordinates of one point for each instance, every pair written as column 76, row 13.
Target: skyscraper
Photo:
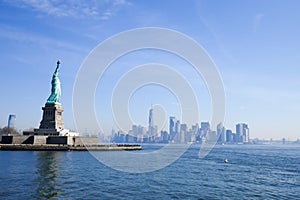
column 172, row 127
column 221, row 133
column 183, row 132
column 177, row 127
column 205, row 126
column 205, row 129
column 242, row 133
column 150, row 125
column 229, row 136
column 11, row 121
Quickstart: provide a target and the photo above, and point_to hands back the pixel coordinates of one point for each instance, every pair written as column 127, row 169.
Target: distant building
column 183, row 133
column 138, row 130
column 205, row 129
column 172, row 127
column 229, row 136
column 11, row 121
column 195, row 128
column 177, row 127
column 164, row 136
column 183, row 127
column 205, row 126
column 193, row 133
column 221, row 133
column 242, row 133
column 151, row 128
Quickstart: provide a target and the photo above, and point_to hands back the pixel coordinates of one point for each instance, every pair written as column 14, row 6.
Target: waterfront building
column 193, row 133
column 164, row 136
column 242, row 133
column 172, row 127
column 205, row 126
column 195, row 128
column 11, row 121
column 229, row 136
column 204, row 130
column 177, row 127
column 183, row 132
column 152, row 131
column 221, row 133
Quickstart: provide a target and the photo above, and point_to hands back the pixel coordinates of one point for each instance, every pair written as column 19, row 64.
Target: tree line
column 9, row 130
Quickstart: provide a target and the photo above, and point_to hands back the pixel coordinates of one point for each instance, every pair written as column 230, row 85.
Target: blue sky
column 255, row 45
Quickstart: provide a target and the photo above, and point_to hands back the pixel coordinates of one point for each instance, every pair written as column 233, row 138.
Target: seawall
column 100, row 147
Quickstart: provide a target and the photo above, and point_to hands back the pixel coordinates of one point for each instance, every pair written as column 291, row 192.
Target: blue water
column 254, row 172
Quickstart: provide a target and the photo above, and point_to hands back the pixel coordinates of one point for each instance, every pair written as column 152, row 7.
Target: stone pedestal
column 52, row 121
column 52, row 117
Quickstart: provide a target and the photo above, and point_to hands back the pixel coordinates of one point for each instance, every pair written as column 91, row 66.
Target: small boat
column 226, row 160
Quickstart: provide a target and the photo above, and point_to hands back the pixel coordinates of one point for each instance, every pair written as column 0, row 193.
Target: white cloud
column 12, row 33
column 103, row 10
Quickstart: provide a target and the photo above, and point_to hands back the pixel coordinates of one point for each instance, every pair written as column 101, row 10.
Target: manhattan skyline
column 180, row 133
column 254, row 44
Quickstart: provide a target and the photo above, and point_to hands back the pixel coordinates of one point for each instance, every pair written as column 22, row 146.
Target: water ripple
column 254, row 172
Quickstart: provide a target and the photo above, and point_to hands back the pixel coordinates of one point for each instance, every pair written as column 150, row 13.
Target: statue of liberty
column 54, row 97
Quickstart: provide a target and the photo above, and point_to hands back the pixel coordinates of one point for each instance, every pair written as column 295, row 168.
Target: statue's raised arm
column 54, row 97
column 57, row 67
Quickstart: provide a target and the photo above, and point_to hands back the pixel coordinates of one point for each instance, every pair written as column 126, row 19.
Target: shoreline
column 100, row 147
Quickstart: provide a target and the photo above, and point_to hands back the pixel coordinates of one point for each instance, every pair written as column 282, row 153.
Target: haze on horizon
column 254, row 44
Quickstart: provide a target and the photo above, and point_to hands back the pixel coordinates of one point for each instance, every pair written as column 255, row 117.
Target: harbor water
column 252, row 172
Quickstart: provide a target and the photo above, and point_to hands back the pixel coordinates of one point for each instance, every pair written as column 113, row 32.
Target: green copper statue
column 55, row 88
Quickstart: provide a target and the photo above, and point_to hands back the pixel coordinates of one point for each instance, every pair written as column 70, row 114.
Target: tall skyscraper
column 229, row 136
column 183, row 133
column 177, row 127
column 242, row 133
column 150, row 124
column 164, row 136
column 172, row 127
column 11, row 121
column 205, row 126
column 205, row 129
column 221, row 133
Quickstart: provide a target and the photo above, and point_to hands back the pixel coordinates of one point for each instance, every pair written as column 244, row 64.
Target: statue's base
column 50, row 132
column 50, row 140
column 52, row 122
column 52, row 118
